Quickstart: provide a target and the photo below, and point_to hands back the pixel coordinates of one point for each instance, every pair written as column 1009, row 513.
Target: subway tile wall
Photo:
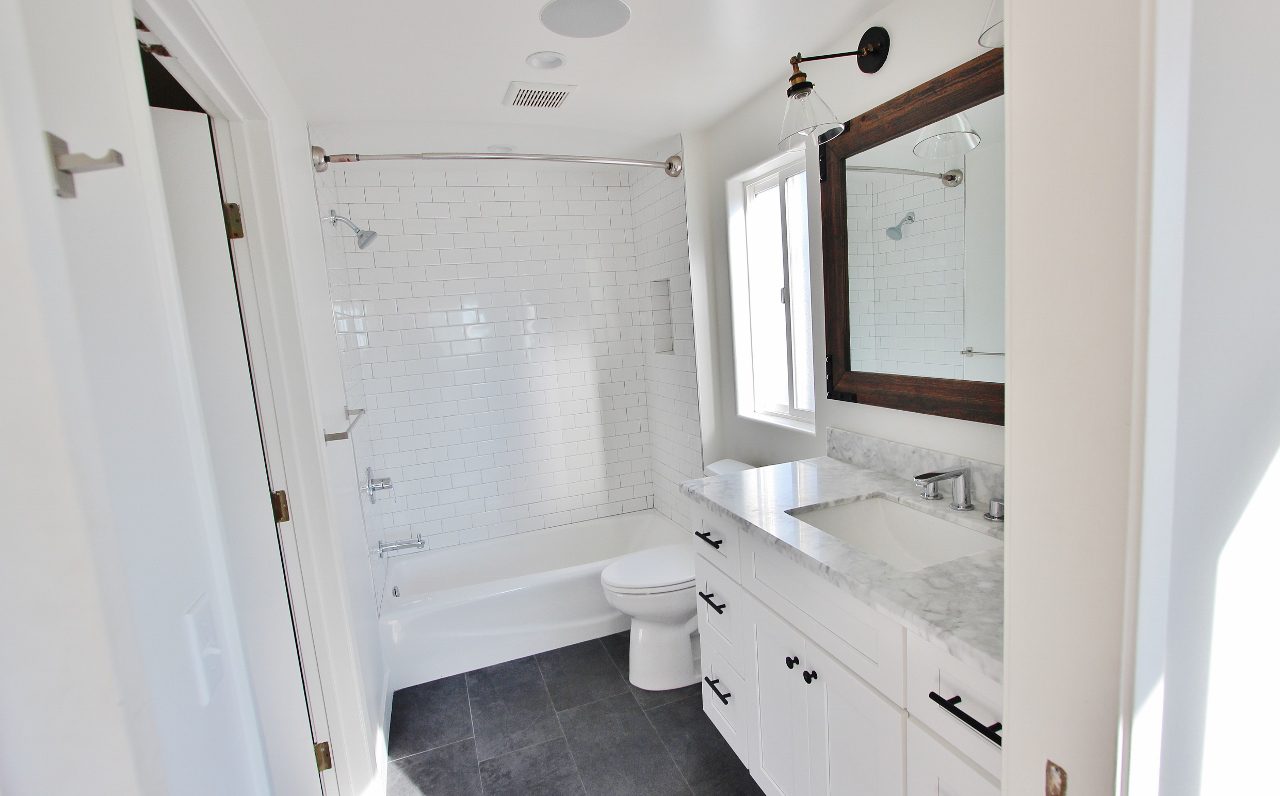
column 906, row 297
column 500, row 336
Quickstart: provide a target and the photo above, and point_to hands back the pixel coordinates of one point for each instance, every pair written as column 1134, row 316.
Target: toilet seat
column 653, row 571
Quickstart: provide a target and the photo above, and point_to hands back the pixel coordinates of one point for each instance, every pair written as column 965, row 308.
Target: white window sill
column 779, row 420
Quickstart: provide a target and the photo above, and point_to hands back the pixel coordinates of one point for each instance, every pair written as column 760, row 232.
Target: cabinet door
column 780, row 754
column 934, row 769
column 856, row 743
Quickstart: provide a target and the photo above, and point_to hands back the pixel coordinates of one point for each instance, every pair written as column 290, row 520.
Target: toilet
column 655, row 587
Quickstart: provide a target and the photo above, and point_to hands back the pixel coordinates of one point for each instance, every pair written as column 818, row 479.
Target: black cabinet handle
column 706, row 598
column 712, row 684
column 990, row 732
column 706, row 537
column 791, row 662
column 810, row 676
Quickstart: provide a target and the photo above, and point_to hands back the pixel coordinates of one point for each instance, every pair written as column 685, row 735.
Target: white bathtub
column 454, row 610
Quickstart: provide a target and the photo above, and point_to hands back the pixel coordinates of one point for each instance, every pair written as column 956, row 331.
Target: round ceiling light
column 545, row 59
column 585, row 19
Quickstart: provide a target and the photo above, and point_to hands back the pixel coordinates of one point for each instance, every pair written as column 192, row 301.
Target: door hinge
column 786, row 295
column 324, row 756
column 280, row 505
column 234, row 221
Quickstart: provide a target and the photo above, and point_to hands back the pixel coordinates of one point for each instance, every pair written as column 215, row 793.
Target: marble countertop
column 958, row 605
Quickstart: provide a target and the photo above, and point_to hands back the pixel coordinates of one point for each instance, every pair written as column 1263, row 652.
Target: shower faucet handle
column 372, row 486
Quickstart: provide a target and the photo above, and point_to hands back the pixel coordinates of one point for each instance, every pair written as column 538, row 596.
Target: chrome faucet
column 928, row 483
column 414, row 542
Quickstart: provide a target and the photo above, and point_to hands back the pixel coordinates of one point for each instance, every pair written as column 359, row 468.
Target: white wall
column 501, row 336
column 1219, row 498
column 928, row 38
column 1075, row 389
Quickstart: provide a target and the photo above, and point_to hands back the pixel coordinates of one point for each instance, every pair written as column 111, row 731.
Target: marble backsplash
column 907, row 461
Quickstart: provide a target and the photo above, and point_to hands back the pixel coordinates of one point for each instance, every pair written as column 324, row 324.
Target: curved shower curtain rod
column 320, row 159
column 950, row 179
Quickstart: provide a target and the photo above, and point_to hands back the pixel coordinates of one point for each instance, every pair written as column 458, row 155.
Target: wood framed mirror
column 913, row 249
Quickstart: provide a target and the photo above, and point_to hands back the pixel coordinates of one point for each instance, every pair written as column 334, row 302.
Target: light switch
column 205, row 647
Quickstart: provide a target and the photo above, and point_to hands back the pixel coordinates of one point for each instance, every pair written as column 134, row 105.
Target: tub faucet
column 928, row 483
column 415, row 542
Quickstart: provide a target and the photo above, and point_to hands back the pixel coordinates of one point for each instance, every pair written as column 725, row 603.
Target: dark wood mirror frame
column 970, row 84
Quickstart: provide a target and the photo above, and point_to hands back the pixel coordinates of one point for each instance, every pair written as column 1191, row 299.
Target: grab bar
column 354, row 416
column 968, row 351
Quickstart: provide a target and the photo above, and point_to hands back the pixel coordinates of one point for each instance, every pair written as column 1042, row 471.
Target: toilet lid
column 654, row 568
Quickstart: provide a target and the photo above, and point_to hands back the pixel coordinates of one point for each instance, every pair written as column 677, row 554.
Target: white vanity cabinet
column 821, row 694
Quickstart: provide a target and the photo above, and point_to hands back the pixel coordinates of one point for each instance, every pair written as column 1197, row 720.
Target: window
column 772, row 305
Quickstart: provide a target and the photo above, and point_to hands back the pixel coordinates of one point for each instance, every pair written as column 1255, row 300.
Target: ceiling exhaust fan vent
column 537, row 95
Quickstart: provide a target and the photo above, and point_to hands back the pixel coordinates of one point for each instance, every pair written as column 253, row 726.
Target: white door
column 780, row 750
column 142, row 457
column 218, row 347
column 855, row 734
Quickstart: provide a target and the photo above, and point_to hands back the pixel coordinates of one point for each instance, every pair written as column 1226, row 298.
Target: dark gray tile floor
column 562, row 722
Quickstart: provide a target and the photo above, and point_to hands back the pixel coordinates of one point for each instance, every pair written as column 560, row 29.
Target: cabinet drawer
column 932, row 671
column 718, row 539
column 934, row 768
column 723, row 611
column 725, row 697
column 867, row 642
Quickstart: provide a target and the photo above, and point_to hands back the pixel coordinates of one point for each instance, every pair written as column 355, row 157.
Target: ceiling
column 678, row 65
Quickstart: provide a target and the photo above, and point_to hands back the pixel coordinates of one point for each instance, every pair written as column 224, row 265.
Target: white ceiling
column 678, row 65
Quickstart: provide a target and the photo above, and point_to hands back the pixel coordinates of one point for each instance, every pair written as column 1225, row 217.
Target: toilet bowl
column 655, row 587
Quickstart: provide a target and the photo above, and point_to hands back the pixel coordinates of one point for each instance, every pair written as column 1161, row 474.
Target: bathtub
column 461, row 608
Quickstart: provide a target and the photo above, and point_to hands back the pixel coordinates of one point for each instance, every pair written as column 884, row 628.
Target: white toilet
column 655, row 588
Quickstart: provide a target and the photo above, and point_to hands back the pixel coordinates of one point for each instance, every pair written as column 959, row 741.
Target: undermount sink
column 902, row 537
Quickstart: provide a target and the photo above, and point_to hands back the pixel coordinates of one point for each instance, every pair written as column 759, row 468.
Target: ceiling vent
column 537, row 95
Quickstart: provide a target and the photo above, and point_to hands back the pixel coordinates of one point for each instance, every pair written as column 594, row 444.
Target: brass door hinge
column 234, row 221
column 280, row 505
column 324, row 756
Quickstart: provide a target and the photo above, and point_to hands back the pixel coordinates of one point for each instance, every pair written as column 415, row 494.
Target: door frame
column 291, row 407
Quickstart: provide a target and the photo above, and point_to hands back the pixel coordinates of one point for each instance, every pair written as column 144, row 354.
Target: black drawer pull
column 706, row 598
column 792, row 661
column 950, row 706
column 809, row 677
column 706, row 537
column 712, row 683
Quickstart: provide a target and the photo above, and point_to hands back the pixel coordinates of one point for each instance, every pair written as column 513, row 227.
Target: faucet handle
column 929, row 490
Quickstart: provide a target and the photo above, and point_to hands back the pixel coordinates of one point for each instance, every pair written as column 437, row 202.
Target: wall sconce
column 807, row 117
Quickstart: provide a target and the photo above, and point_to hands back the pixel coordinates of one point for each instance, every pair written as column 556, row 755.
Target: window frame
column 740, row 190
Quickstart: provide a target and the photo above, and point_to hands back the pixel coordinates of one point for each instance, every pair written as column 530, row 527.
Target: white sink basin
column 900, row 536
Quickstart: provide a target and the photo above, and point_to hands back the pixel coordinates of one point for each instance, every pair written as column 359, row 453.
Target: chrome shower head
column 363, row 236
column 895, row 232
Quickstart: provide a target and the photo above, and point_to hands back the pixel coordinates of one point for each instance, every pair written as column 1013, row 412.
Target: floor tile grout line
column 577, row 770
column 667, row 749
column 475, row 744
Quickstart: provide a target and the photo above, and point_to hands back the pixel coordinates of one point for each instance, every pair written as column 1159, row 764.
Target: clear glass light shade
column 992, row 35
column 948, row 138
column 807, row 118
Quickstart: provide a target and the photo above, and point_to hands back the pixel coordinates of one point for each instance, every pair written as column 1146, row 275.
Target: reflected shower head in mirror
column 895, row 232
column 363, row 236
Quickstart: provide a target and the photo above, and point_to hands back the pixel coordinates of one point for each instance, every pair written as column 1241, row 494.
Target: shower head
column 895, row 232
column 363, row 236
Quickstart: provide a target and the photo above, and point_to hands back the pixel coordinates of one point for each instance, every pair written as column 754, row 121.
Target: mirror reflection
column 926, row 250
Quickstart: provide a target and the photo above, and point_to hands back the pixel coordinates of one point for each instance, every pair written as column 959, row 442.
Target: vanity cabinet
column 821, row 694
column 934, row 770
